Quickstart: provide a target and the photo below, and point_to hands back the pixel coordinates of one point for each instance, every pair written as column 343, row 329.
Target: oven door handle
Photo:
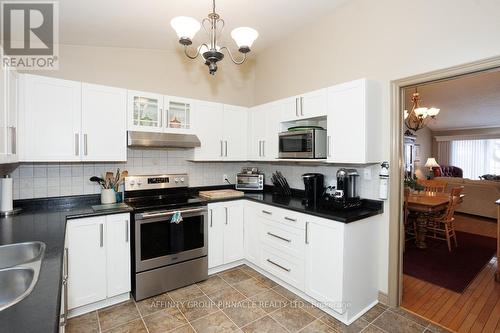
column 171, row 212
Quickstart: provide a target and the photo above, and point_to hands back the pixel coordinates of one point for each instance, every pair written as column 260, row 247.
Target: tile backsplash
column 40, row 180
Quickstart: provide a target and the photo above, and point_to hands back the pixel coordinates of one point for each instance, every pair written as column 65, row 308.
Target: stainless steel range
column 169, row 234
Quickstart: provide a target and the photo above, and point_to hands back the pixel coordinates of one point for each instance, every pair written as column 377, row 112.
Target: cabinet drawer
column 283, row 216
column 285, row 267
column 283, row 238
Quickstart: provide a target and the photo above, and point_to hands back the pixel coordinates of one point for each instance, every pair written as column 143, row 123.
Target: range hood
column 162, row 140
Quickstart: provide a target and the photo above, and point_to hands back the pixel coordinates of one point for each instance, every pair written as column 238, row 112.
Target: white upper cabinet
column 354, row 122
column 222, row 130
column 310, row 105
column 104, row 123
column 264, row 126
column 51, row 120
column 235, row 133
column 177, row 113
column 145, row 111
column 12, row 115
column 149, row 112
column 208, row 124
column 9, row 106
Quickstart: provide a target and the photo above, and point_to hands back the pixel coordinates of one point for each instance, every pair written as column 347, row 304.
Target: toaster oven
column 250, row 181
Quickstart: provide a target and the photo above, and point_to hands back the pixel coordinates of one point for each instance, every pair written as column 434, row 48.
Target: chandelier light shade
column 244, row 37
column 211, row 52
column 419, row 116
column 185, row 27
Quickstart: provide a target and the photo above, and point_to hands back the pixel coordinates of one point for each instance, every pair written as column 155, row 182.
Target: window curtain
column 476, row 157
column 443, row 152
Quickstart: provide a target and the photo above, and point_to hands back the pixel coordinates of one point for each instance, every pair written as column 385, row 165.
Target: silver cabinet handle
column 85, row 148
column 126, row 231
column 260, row 148
column 290, row 219
column 221, row 148
column 225, row 142
column 264, row 148
column 13, row 143
column 77, row 144
column 211, row 218
column 101, row 235
column 226, row 214
column 267, row 212
column 64, row 315
column 328, row 146
column 302, row 106
column 279, row 266
column 160, row 122
column 296, row 107
column 307, row 232
column 279, row 237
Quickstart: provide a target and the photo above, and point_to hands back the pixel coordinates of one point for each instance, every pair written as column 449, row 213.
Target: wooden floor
column 477, row 309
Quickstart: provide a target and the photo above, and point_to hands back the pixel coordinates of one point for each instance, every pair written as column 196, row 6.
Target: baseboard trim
column 98, row 305
column 383, row 298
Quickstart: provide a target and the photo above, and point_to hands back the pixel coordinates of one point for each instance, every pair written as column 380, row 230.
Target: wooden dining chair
column 410, row 228
column 443, row 226
column 432, row 185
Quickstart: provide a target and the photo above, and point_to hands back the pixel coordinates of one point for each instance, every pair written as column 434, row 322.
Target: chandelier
column 211, row 52
column 419, row 116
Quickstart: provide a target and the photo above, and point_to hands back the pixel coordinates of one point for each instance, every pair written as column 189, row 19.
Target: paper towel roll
column 6, row 194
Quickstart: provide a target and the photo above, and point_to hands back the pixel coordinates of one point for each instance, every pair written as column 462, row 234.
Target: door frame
column 395, row 274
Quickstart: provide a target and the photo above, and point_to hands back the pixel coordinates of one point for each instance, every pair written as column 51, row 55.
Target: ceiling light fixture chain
column 187, row 27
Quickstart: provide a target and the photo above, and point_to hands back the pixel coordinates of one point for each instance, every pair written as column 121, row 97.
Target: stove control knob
column 182, row 180
column 176, row 180
column 131, row 183
column 139, row 183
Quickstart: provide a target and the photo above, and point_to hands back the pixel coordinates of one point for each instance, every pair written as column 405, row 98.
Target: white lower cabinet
column 98, row 252
column 331, row 262
column 225, row 233
column 323, row 262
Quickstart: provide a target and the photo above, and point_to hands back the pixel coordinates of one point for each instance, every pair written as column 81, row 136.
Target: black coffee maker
column 314, row 188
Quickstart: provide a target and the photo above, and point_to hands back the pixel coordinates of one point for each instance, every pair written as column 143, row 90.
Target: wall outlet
column 368, row 173
column 225, row 179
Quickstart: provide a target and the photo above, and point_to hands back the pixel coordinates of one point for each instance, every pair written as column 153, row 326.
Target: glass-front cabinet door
column 178, row 113
column 145, row 111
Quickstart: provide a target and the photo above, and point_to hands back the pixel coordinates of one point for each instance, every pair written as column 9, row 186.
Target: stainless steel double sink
column 19, row 269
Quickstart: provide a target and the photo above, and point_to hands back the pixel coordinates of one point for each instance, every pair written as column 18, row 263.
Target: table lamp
column 431, row 163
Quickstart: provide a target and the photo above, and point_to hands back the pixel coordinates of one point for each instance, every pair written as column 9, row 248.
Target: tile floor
column 238, row 300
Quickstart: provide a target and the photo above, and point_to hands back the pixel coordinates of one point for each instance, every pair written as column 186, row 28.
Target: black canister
column 314, row 188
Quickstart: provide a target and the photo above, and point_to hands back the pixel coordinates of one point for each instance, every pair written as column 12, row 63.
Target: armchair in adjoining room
column 448, row 171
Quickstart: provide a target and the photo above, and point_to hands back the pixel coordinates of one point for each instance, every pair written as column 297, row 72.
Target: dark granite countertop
column 43, row 220
column 369, row 207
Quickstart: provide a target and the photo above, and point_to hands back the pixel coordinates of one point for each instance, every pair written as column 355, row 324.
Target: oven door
column 160, row 242
column 296, row 144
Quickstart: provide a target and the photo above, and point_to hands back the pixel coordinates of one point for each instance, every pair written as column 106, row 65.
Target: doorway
column 428, row 299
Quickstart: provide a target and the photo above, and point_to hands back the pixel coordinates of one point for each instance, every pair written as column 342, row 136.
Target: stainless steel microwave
column 308, row 143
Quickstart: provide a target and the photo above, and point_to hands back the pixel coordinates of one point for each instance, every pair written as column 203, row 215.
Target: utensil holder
column 108, row 196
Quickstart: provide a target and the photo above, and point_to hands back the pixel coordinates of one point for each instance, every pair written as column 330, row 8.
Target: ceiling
column 471, row 101
column 146, row 23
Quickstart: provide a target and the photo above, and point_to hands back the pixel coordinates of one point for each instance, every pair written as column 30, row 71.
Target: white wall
column 165, row 72
column 383, row 40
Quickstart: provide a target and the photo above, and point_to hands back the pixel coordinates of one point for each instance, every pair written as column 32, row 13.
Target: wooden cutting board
column 221, row 194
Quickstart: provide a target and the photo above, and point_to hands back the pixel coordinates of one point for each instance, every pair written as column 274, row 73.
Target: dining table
column 424, row 205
